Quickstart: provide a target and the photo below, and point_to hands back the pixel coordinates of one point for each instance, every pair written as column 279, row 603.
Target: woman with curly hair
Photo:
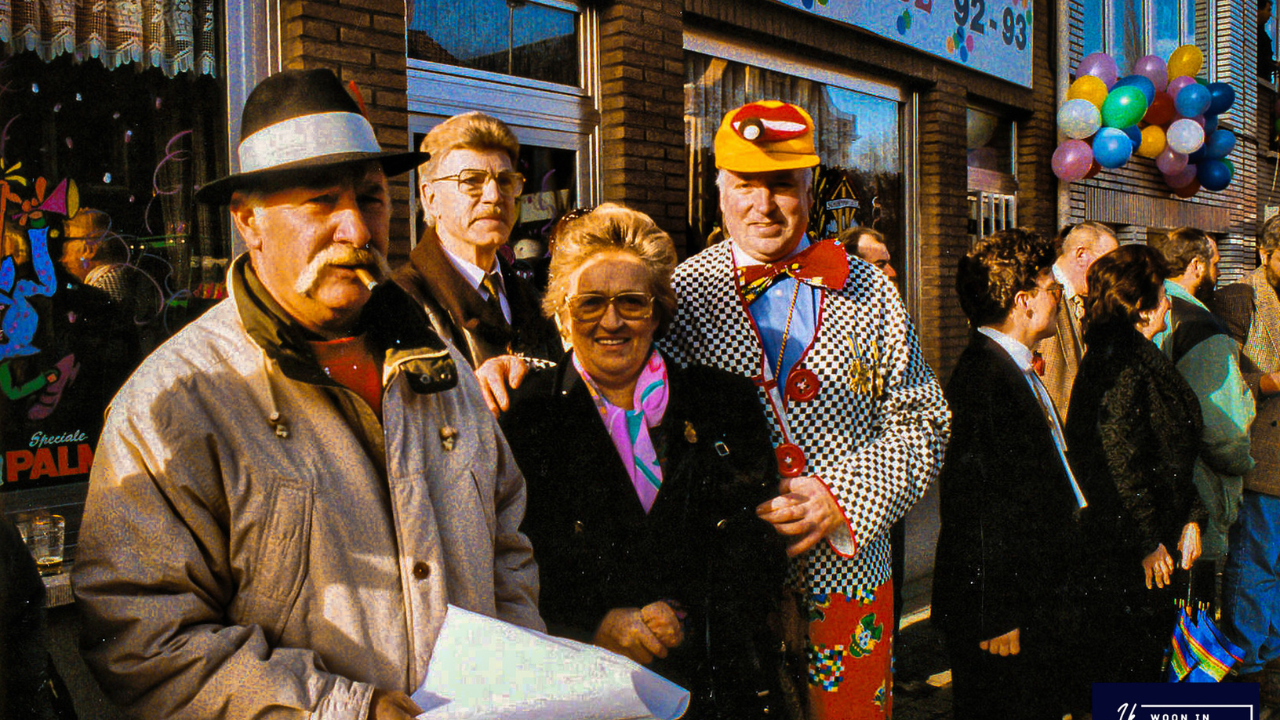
column 1134, row 432
column 1008, row 497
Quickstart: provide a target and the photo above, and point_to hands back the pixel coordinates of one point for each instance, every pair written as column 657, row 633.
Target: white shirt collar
column 1068, row 290
column 1020, row 353
column 469, row 270
column 742, row 259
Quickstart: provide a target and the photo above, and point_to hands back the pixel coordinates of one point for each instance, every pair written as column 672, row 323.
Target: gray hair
column 805, row 182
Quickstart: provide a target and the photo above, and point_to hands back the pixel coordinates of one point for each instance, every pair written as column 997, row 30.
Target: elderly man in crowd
column 869, row 245
column 1081, row 245
column 468, row 190
column 1209, row 359
column 1251, row 584
column 288, row 493
column 857, row 418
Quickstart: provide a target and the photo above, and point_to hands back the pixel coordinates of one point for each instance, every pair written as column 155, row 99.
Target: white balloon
column 1079, row 118
column 1185, row 136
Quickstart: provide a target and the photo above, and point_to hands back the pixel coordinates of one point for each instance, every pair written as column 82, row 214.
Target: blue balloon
column 1112, row 147
column 1210, row 123
column 1141, row 82
column 1218, row 144
column 1135, row 136
column 1196, row 157
column 1193, row 100
column 1214, row 175
column 1221, row 96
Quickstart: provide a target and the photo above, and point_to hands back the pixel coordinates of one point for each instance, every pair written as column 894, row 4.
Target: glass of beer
column 46, row 540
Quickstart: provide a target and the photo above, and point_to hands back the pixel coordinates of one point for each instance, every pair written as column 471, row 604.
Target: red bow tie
column 824, row 264
column 1037, row 363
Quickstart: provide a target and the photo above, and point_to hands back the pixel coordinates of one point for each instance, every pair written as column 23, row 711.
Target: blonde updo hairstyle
column 612, row 227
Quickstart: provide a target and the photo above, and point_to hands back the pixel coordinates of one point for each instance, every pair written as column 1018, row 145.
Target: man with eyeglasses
column 468, row 191
column 858, row 420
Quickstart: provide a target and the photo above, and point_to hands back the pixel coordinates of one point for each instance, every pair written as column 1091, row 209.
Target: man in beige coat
column 1081, row 245
column 289, row 493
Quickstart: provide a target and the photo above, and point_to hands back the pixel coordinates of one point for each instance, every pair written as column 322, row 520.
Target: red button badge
column 802, row 385
column 791, row 462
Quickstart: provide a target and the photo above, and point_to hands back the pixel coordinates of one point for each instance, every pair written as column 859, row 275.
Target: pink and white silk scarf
column 629, row 429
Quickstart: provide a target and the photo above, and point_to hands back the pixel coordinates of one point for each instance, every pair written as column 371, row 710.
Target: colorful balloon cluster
column 1162, row 111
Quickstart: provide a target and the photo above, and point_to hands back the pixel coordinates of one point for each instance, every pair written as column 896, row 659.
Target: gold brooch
column 690, row 435
column 865, row 375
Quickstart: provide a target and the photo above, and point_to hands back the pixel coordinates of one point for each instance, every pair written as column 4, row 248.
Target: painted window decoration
column 859, row 181
column 104, row 253
column 524, row 38
column 1129, row 29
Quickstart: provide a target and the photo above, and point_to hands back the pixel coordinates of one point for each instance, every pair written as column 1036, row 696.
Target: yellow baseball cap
column 765, row 136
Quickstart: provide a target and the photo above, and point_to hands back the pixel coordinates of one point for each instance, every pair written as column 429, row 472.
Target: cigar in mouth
column 366, row 277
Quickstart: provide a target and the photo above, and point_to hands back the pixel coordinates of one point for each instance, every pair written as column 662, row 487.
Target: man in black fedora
column 289, row 492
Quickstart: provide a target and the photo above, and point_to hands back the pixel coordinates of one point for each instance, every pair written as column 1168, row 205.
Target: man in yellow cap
column 858, row 420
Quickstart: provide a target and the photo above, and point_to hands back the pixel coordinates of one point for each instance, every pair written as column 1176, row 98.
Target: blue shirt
column 772, row 309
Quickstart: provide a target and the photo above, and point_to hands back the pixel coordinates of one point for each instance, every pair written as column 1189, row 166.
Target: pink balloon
column 1175, row 85
column 1152, row 68
column 1072, row 159
column 1183, row 178
column 1171, row 162
column 1099, row 65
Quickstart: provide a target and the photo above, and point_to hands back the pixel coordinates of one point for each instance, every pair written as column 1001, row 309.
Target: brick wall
column 642, row 110
column 944, row 218
column 1038, row 132
column 361, row 41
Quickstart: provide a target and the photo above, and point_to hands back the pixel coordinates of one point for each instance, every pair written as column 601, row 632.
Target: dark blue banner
column 1181, row 701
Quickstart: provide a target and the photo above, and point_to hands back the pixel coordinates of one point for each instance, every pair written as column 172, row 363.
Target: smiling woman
column 645, row 531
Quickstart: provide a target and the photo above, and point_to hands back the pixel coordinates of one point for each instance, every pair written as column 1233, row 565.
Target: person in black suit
column 644, row 478
column 1008, row 498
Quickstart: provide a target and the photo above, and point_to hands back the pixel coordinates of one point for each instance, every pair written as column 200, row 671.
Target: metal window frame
column 1148, row 11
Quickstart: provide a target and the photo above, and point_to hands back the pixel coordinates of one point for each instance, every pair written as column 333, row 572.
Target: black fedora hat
column 297, row 120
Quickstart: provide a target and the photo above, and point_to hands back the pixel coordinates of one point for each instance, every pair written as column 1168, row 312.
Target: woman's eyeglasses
column 590, row 307
column 472, row 181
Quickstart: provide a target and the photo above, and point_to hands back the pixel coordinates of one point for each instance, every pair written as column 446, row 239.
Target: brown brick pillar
column 642, row 110
column 364, row 41
column 944, row 213
column 1038, row 133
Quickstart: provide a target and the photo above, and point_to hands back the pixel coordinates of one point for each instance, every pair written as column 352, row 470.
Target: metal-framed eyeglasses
column 590, row 307
column 472, row 181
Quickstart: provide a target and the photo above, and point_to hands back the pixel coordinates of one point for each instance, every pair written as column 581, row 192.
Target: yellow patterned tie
column 491, row 283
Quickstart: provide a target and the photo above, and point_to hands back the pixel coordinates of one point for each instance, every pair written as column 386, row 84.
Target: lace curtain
column 176, row 36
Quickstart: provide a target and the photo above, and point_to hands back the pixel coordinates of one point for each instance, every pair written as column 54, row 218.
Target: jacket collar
column 1174, row 290
column 456, row 295
column 388, row 319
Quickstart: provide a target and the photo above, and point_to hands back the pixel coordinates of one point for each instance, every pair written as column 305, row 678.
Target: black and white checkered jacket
column 876, row 431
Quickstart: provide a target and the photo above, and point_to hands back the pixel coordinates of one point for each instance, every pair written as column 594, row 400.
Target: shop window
column 111, row 114
column 992, row 142
column 1129, row 29
column 860, row 178
column 524, row 38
